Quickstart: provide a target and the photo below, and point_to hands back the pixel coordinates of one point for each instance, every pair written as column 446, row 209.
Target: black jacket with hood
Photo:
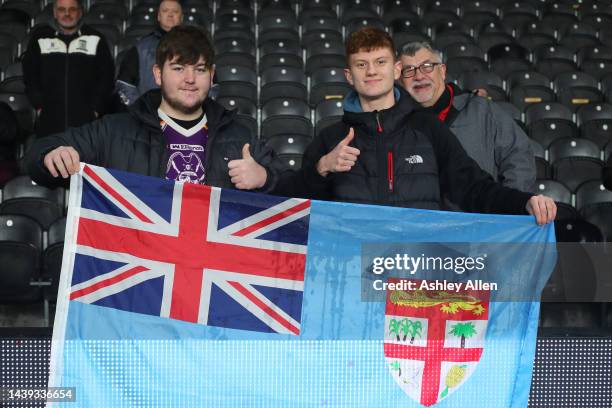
column 69, row 77
column 133, row 141
column 408, row 159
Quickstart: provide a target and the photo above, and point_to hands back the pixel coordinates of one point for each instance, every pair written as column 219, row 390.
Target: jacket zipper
column 379, row 129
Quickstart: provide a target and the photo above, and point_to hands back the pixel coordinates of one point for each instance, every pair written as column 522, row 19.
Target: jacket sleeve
column 105, row 74
column 91, row 141
column 307, row 182
column 32, row 74
column 127, row 79
column 465, row 182
column 514, row 157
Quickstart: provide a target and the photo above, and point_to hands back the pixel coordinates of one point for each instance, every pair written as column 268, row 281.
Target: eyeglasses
column 425, row 68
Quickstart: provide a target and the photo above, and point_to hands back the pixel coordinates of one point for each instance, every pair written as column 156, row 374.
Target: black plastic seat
column 554, row 60
column 594, row 203
column 576, row 89
column 285, row 116
column 528, row 87
column 235, row 51
column 328, row 83
column 361, row 22
column 278, row 26
column 287, row 144
column 327, row 113
column 280, row 53
column 399, row 14
column 549, row 121
column 321, row 29
column 356, row 11
column 321, row 54
column 234, row 22
column 21, row 243
column 20, row 104
column 52, row 258
column 595, row 123
column 237, row 81
column 490, row 81
column 577, row 231
column 543, row 170
column 290, row 161
column 575, row 161
column 247, row 111
column 22, row 196
column 507, row 58
column 562, row 196
column 282, row 82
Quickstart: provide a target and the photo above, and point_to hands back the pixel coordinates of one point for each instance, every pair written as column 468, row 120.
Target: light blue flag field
column 182, row 295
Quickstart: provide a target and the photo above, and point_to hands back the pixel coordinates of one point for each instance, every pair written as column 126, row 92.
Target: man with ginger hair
column 387, row 151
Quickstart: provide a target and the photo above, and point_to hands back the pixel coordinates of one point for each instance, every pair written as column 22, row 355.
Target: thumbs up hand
column 246, row 173
column 341, row 159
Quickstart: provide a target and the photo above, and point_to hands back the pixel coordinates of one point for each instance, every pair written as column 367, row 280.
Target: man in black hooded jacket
column 385, row 151
column 176, row 132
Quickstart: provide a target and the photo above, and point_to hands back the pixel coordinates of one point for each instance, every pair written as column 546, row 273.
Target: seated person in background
column 136, row 69
column 68, row 71
column 9, row 130
column 175, row 132
column 388, row 151
column 487, row 133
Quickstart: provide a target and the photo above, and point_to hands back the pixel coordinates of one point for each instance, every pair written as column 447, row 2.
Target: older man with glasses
column 489, row 135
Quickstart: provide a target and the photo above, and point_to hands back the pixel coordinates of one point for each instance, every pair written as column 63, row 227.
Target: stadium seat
column 398, row 13
column 288, row 144
column 448, row 33
column 247, row 111
column 577, row 231
column 321, row 54
column 519, row 13
column 327, row 113
column 486, row 41
column 235, row 80
column 576, row 89
column 22, row 196
column 595, row 61
column 549, row 121
column 282, row 82
column 328, row 83
column 594, row 203
column 283, row 53
column 595, row 123
column 285, row 116
column 20, row 104
column 290, row 161
column 543, row 170
column 507, row 58
column 553, row 60
column 575, row 161
column 52, row 258
column 356, row 9
column 487, row 80
column 321, row 28
column 21, row 241
column 562, row 196
column 361, row 22
column 528, row 87
column 235, row 51
column 278, row 26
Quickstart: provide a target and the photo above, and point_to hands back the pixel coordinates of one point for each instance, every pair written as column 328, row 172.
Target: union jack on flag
column 200, row 254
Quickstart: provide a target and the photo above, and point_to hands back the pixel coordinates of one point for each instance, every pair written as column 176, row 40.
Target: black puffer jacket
column 408, row 159
column 134, row 142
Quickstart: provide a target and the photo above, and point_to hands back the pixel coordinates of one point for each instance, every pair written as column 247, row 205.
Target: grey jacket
column 492, row 138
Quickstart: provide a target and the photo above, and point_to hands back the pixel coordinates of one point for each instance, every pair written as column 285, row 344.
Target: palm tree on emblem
column 394, row 328
column 412, row 328
column 463, row 330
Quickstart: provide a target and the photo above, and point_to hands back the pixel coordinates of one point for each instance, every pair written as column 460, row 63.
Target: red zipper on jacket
column 390, row 169
column 379, row 129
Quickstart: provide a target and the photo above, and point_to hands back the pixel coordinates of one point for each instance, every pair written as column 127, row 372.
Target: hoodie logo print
column 415, row 159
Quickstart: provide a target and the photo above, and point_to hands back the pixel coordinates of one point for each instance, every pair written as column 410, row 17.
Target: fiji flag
column 181, row 295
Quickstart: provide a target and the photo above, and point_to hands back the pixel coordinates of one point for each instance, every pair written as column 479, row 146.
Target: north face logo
column 414, row 159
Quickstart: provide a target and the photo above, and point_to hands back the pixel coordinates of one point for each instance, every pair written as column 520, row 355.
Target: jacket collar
column 145, row 110
column 390, row 119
